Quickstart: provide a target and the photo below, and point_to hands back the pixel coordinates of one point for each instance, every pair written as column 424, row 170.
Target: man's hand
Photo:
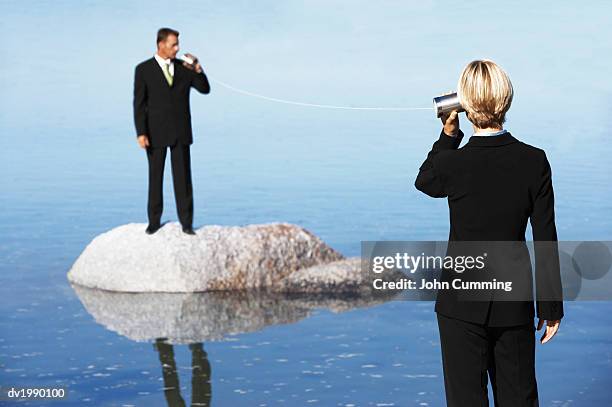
column 196, row 64
column 551, row 329
column 143, row 141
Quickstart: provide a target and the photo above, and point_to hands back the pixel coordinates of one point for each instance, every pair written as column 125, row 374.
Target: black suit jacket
column 162, row 111
column 494, row 185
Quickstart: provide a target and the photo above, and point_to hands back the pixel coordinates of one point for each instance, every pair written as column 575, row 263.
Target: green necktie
column 167, row 74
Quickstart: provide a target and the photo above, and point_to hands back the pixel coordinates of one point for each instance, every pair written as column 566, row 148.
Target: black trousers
column 181, row 178
column 471, row 350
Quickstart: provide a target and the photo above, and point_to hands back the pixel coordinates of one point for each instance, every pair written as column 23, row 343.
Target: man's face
column 168, row 48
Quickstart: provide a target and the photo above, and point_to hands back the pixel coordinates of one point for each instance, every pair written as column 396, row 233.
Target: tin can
column 188, row 59
column 446, row 104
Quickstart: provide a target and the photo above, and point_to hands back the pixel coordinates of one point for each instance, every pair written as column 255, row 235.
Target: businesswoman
column 494, row 184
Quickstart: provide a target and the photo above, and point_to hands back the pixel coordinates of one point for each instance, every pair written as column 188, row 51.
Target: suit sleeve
column 140, row 103
column 429, row 179
column 200, row 82
column 549, row 292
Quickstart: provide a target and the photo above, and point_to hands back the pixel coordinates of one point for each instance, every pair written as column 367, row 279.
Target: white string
column 291, row 102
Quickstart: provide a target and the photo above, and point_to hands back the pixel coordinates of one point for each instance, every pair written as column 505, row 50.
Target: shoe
column 152, row 229
column 188, row 230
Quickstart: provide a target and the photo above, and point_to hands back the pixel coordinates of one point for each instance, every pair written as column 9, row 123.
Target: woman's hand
column 551, row 329
column 143, row 141
column 451, row 123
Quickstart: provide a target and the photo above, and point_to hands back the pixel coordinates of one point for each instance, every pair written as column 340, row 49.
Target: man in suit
column 163, row 119
column 493, row 184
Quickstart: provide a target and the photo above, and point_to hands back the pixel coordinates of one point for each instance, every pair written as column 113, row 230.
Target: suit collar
column 491, row 141
column 160, row 73
column 161, row 60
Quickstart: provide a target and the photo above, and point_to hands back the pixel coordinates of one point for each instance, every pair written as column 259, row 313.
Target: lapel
column 491, row 141
column 178, row 73
column 160, row 72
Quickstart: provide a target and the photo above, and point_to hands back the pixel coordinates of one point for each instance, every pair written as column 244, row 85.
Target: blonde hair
column 485, row 92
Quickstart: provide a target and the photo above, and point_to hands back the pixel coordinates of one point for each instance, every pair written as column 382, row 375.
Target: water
column 71, row 170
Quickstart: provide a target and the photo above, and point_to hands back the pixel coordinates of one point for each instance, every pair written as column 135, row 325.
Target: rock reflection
column 200, row 317
column 169, row 319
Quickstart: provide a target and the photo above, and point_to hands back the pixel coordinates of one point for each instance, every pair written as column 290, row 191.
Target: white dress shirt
column 490, row 133
column 163, row 62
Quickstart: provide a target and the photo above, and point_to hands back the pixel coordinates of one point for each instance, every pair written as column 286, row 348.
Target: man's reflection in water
column 201, row 391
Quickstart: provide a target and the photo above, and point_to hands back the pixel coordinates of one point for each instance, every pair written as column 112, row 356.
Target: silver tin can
column 187, row 59
column 446, row 104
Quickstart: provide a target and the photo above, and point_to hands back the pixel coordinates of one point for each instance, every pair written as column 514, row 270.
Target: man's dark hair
column 163, row 33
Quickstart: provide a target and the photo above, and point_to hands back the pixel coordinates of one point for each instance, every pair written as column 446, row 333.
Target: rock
column 217, row 258
column 340, row 276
